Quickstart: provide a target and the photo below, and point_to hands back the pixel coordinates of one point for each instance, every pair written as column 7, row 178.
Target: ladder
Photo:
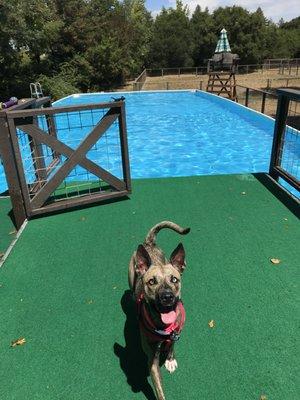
column 222, row 83
column 36, row 90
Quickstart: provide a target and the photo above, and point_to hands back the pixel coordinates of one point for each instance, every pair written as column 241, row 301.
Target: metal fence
column 282, row 66
column 60, row 157
column 285, row 158
column 140, row 80
column 256, row 99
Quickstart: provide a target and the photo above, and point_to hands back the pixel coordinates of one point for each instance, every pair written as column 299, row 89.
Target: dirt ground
column 257, row 80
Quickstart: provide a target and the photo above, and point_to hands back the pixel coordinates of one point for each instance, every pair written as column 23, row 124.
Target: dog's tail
column 151, row 237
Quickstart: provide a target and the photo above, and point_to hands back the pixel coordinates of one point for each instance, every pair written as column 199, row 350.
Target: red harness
column 172, row 331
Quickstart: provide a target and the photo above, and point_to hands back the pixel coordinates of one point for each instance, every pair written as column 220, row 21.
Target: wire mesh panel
column 290, row 160
column 285, row 159
column 70, row 156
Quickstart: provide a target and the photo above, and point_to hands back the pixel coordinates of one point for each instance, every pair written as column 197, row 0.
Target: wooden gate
column 61, row 157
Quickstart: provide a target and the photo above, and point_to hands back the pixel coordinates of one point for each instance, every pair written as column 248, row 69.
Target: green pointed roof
column 223, row 44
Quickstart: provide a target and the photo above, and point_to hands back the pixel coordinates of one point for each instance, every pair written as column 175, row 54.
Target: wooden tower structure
column 221, row 69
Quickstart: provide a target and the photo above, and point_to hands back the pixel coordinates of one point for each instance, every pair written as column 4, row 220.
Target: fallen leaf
column 82, row 219
column 18, row 342
column 115, row 287
column 263, row 397
column 285, row 219
column 1, row 255
column 275, row 260
column 243, row 193
column 12, row 232
column 211, row 324
column 90, row 301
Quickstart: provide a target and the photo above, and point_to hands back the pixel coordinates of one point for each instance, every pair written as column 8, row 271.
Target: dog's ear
column 143, row 260
column 177, row 258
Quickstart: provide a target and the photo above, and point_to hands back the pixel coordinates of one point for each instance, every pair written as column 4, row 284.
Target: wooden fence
column 61, row 157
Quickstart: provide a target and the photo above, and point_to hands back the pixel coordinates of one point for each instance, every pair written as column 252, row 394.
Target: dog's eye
column 174, row 279
column 152, row 281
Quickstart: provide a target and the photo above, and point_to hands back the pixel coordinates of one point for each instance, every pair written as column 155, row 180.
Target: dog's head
column 161, row 283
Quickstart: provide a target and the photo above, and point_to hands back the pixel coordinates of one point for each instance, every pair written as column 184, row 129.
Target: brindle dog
column 156, row 285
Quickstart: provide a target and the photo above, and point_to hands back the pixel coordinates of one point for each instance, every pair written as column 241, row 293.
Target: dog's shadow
column 133, row 360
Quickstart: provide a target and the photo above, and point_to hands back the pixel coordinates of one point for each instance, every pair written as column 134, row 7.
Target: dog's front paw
column 171, row 365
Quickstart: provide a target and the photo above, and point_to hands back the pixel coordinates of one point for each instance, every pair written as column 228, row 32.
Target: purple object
column 11, row 102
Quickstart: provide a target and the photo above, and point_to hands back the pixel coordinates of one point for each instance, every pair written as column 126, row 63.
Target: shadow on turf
column 133, row 361
column 276, row 189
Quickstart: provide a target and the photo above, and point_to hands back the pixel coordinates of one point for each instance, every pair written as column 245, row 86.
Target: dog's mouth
column 169, row 317
column 167, row 310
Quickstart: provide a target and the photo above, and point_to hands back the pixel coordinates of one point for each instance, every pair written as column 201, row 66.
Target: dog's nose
column 167, row 297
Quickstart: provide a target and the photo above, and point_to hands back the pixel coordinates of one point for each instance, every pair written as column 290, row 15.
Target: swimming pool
column 184, row 133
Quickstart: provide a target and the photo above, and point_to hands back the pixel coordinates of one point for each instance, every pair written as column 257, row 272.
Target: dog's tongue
column 168, row 318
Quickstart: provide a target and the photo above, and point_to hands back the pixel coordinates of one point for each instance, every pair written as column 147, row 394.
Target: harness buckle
column 174, row 336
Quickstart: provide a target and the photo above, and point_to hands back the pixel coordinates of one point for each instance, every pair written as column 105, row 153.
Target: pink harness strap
column 169, row 334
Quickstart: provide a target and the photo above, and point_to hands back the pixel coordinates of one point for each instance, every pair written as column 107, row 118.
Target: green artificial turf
column 7, row 229
column 63, row 289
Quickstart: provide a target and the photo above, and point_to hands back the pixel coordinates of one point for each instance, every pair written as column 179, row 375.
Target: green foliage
column 290, row 33
column 204, row 35
column 57, row 86
column 170, row 45
column 90, row 45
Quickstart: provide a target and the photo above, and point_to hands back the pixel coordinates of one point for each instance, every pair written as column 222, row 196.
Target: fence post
column 178, row 71
column 162, row 72
column 167, row 85
column 247, row 69
column 124, row 147
column 263, row 103
column 12, row 177
column 200, row 85
column 247, row 97
column 280, row 121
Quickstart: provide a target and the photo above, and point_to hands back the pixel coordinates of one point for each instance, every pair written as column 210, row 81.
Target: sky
column 273, row 9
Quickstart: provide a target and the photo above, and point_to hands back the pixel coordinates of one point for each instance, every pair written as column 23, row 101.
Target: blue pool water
column 190, row 133
column 183, row 133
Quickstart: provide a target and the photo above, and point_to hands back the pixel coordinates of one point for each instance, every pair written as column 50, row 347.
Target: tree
column 246, row 31
column 171, row 39
column 204, row 38
column 10, row 54
column 90, row 45
column 139, row 33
